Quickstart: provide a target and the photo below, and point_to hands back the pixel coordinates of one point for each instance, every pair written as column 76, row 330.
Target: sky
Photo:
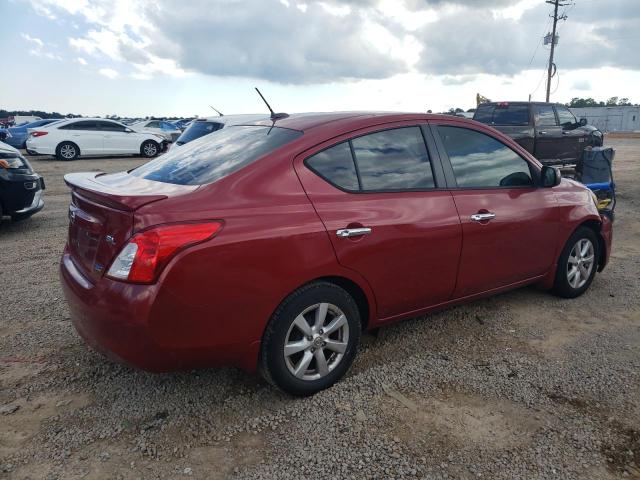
column 178, row 57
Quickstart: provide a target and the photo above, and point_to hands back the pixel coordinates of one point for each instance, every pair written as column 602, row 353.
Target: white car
column 69, row 139
column 166, row 130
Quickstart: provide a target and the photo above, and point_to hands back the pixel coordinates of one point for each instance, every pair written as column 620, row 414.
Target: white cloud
column 109, row 73
column 81, row 61
column 38, row 48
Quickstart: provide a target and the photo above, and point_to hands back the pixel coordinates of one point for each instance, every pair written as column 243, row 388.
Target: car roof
column 344, row 120
column 519, row 102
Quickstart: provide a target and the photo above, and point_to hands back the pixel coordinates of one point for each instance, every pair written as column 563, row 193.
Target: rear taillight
column 147, row 252
column 39, row 134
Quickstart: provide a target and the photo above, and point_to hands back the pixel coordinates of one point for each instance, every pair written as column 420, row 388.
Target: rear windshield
column 196, row 130
column 211, row 158
column 502, row 114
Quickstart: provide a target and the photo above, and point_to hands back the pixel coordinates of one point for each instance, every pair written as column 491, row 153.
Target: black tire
column 149, row 149
column 67, row 151
column 565, row 284
column 273, row 365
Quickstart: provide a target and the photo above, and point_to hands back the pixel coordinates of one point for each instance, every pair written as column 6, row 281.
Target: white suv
column 69, row 139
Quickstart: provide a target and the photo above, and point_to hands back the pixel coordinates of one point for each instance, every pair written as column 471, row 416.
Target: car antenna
column 274, row 116
column 217, row 111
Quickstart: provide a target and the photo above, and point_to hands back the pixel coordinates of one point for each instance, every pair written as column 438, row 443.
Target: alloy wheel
column 68, row 151
column 580, row 263
column 150, row 149
column 316, row 341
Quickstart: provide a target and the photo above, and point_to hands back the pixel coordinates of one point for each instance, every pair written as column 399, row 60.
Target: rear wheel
column 67, row 151
column 311, row 339
column 149, row 149
column 577, row 264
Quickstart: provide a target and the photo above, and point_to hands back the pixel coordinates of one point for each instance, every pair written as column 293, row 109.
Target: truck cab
column 549, row 131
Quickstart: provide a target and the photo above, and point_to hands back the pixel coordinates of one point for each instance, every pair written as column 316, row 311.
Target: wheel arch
column 596, row 227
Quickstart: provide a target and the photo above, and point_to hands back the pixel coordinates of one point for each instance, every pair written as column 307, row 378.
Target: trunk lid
column 101, row 214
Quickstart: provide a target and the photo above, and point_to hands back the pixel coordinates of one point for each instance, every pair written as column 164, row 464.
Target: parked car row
column 69, row 139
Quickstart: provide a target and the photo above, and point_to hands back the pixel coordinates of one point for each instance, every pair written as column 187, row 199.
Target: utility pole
column 551, row 71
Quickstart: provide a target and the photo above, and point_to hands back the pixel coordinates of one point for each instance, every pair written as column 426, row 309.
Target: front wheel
column 577, row 264
column 311, row 339
column 149, row 148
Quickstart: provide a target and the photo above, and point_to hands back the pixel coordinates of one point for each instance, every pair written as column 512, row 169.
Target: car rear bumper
column 120, row 321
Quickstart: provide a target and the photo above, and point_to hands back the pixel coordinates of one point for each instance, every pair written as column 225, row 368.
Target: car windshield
column 502, row 114
column 211, row 158
column 198, row 129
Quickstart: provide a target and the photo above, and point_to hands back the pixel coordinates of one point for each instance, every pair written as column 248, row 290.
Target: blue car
column 18, row 138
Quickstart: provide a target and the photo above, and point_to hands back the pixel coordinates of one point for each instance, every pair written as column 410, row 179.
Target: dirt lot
column 523, row 385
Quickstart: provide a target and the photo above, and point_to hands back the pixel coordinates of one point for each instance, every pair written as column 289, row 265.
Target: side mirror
column 549, row 177
column 582, row 122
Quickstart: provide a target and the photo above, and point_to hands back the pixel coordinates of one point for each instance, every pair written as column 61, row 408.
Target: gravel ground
column 520, row 386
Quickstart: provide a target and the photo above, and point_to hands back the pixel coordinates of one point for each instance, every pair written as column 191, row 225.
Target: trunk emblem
column 110, row 240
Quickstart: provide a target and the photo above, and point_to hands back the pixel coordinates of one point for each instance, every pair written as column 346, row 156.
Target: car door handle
column 353, row 232
column 542, row 132
column 481, row 217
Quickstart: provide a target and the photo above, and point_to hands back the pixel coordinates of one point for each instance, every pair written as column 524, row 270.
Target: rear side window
column 393, row 160
column 502, row 114
column 111, row 127
column 209, row 159
column 481, row 161
column 544, row 116
column 336, row 165
column 84, row 125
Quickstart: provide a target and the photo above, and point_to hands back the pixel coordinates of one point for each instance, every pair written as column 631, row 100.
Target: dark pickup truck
column 549, row 131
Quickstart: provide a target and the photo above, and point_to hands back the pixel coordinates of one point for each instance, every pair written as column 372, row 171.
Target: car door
column 378, row 194
column 87, row 135
column 117, row 140
column 509, row 224
column 572, row 137
column 548, row 134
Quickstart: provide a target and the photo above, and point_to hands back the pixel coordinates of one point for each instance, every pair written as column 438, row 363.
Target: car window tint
column 565, row 117
column 111, row 127
column 336, row 165
column 479, row 160
column 198, row 129
column 511, row 115
column 208, row 159
column 502, row 114
column 393, row 160
column 84, row 125
column 153, row 125
column 544, row 116
column 484, row 113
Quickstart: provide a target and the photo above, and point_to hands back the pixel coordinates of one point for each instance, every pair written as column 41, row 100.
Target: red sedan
column 272, row 246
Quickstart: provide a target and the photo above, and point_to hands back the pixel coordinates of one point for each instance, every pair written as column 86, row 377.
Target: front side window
column 394, row 159
column 153, row 125
column 336, row 165
column 209, row 159
column 544, row 116
column 481, row 161
column 565, row 117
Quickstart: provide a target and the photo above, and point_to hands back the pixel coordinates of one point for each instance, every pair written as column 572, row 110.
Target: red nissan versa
column 272, row 246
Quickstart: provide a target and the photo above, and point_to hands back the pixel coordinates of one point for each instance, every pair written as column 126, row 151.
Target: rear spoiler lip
column 87, row 184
